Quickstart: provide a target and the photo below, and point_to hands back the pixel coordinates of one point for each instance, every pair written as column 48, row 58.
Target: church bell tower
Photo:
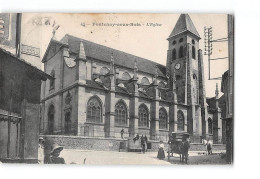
column 185, row 69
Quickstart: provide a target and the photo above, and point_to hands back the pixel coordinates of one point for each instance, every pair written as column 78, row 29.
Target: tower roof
column 184, row 24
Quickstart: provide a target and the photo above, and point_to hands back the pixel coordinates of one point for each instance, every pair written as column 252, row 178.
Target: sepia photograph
column 117, row 88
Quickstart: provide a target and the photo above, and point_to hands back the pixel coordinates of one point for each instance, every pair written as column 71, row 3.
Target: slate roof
column 121, row 90
column 211, row 102
column 103, row 53
column 184, row 24
column 94, row 84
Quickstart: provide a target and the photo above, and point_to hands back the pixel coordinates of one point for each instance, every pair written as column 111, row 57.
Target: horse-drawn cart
column 179, row 143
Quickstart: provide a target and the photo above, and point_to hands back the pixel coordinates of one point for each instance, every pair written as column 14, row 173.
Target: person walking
column 145, row 140
column 143, row 143
column 161, row 154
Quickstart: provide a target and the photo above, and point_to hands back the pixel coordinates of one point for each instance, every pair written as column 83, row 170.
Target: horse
column 208, row 145
column 184, row 150
column 179, row 147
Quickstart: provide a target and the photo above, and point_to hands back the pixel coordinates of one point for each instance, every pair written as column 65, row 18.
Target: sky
column 145, row 41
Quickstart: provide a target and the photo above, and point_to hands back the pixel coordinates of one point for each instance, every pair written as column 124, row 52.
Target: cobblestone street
column 131, row 158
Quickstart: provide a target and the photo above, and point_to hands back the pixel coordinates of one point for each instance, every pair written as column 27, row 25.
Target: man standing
column 145, row 140
column 122, row 133
column 41, row 151
column 143, row 143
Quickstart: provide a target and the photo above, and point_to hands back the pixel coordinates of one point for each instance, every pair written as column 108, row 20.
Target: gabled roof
column 184, row 24
column 103, row 53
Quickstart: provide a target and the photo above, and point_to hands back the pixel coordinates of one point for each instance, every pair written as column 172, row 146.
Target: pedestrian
column 145, row 140
column 143, row 143
column 161, row 154
column 122, row 133
column 55, row 153
column 48, row 143
column 41, row 151
column 136, row 137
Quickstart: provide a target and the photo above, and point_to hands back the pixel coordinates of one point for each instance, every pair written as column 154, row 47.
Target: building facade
column 98, row 91
column 20, row 88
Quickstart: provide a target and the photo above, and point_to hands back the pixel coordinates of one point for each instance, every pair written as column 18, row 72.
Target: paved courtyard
column 130, row 158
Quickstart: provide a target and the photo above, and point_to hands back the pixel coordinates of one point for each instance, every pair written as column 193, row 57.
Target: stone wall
column 110, row 144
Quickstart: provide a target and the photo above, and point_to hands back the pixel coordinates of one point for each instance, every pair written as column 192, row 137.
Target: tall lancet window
column 51, row 113
column 120, row 114
column 162, row 119
column 193, row 52
column 143, row 116
column 210, row 126
column 94, row 110
column 181, row 53
column 52, row 81
column 173, row 54
column 180, row 121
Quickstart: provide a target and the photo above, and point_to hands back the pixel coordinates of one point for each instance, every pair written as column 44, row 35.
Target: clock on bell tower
column 185, row 70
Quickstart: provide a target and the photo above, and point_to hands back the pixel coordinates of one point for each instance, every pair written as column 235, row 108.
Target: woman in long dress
column 161, row 154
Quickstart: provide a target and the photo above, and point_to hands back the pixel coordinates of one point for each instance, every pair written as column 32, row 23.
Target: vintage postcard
column 116, row 89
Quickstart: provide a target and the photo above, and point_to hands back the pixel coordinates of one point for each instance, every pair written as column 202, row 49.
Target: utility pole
column 10, row 117
column 208, row 47
column 18, row 34
column 208, row 44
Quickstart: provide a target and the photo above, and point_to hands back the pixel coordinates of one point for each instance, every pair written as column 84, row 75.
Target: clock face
column 177, row 66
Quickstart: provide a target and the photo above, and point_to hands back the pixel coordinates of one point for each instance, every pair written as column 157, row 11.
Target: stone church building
column 98, row 91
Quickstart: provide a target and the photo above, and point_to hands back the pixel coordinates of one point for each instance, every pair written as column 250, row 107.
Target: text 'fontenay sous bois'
column 126, row 24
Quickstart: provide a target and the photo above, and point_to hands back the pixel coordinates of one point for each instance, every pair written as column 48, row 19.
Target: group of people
column 144, row 141
column 49, row 155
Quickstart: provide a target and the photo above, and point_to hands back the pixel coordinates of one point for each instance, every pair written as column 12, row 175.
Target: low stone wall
column 110, row 144
column 85, row 143
column 200, row 147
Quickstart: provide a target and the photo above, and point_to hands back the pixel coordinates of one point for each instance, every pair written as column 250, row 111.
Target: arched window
column 52, row 81
column 210, row 126
column 180, row 120
column 162, row 119
column 145, row 81
column 120, row 114
column 161, row 84
column 173, row 54
column 181, row 52
column 104, row 71
column 51, row 113
column 67, row 123
column 193, row 52
column 143, row 116
column 94, row 110
column 126, row 76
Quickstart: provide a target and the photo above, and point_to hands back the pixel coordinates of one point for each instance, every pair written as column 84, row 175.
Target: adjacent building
column 20, row 87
